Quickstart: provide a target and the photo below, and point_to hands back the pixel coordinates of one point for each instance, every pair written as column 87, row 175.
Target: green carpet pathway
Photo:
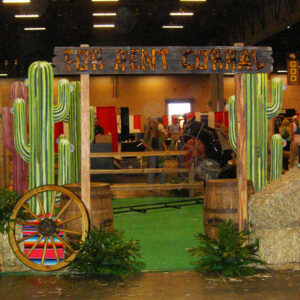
column 164, row 234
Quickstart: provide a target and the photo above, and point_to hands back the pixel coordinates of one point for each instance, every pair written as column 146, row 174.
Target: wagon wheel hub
column 47, row 227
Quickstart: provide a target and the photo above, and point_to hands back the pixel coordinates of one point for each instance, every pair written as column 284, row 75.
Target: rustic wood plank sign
column 162, row 60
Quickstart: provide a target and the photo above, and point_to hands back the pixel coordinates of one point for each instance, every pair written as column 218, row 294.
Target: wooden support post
column 216, row 92
column 2, row 168
column 192, row 180
column 85, row 140
column 241, row 147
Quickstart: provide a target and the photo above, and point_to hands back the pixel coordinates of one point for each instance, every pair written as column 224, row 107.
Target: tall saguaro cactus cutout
column 258, row 111
column 74, row 120
column 39, row 150
column 19, row 166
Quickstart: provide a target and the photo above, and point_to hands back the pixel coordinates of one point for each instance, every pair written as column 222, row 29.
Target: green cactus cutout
column 258, row 111
column 73, row 119
column 64, row 161
column 39, row 150
column 276, row 157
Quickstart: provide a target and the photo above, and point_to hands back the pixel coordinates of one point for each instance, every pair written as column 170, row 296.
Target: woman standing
column 286, row 133
column 153, row 141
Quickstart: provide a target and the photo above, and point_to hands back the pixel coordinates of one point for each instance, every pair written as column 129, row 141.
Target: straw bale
column 279, row 246
column 277, row 205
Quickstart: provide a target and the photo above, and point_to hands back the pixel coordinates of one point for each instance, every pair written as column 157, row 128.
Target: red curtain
column 108, row 121
column 137, row 124
column 58, row 130
column 221, row 116
column 165, row 121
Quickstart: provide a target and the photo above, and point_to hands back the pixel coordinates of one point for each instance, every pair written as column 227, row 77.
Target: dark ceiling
column 138, row 22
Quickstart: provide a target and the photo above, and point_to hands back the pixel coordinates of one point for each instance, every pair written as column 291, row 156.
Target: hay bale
column 277, row 205
column 279, row 246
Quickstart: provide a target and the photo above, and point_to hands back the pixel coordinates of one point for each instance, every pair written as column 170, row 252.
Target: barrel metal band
column 221, row 210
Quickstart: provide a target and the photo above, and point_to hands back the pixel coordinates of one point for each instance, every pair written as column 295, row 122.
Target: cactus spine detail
column 20, row 167
column 258, row 111
column 39, row 152
column 276, row 157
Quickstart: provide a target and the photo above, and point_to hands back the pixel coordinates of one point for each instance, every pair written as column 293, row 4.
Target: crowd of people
column 290, row 132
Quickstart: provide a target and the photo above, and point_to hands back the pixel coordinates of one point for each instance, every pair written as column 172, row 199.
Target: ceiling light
column 192, row 0
column 282, row 71
column 172, row 26
column 16, row 1
column 181, row 13
column 104, row 25
column 34, row 28
column 3, row 75
column 27, row 16
column 105, row 14
column 105, row 0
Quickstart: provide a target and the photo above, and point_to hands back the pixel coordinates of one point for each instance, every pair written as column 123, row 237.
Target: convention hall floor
column 155, row 286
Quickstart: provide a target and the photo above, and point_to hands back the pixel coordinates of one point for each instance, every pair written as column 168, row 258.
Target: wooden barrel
column 101, row 214
column 221, row 203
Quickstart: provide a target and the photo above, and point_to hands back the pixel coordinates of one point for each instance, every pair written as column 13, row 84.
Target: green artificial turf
column 164, row 234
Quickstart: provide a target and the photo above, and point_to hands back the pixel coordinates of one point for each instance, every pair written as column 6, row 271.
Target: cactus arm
column 276, row 157
column 92, row 125
column 232, row 123
column 7, row 129
column 64, row 161
column 61, row 110
column 21, row 144
column 274, row 107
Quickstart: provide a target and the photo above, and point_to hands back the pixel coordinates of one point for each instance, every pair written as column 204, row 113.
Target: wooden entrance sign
column 161, row 60
column 237, row 59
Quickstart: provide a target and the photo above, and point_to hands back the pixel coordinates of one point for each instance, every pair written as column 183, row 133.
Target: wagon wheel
column 48, row 229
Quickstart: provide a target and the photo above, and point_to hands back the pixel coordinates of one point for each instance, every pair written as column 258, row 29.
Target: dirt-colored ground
column 283, row 285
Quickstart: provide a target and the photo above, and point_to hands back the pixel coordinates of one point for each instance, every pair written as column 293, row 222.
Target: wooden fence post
column 85, row 140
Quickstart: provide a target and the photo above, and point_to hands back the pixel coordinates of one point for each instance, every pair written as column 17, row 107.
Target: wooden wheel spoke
column 34, row 246
column 62, row 210
column 27, row 237
column 44, row 250
column 69, row 231
column 69, row 220
column 54, row 248
column 30, row 211
column 22, row 222
column 64, row 242
column 53, row 204
column 41, row 205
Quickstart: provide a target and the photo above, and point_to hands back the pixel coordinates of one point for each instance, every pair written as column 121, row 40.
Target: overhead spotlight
column 34, row 28
column 15, row 1
column 105, row 14
column 105, row 0
column 181, row 13
column 27, row 16
column 288, row 27
column 104, row 25
column 172, row 26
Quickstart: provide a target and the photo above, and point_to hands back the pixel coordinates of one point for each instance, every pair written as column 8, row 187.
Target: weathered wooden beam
column 139, row 171
column 141, row 154
column 241, row 140
column 85, row 140
column 155, row 186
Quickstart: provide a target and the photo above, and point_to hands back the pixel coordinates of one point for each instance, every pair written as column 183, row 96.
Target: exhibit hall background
column 146, row 95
